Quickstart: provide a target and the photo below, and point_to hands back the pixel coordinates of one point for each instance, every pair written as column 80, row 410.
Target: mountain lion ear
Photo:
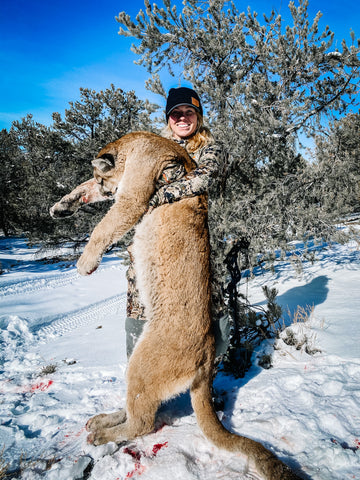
column 104, row 163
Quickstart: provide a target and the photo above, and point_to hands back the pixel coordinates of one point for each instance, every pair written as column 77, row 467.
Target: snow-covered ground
column 62, row 360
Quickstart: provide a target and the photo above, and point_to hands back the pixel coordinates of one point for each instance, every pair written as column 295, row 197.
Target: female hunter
column 184, row 117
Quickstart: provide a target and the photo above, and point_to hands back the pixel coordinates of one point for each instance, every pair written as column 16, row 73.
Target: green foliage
column 10, row 173
column 264, row 83
column 41, row 164
column 102, row 117
column 338, row 160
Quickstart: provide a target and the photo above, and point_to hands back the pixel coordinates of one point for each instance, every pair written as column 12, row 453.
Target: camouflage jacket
column 173, row 185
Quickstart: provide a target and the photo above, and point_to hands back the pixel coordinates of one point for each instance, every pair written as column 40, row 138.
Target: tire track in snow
column 66, row 323
column 42, row 283
column 30, row 286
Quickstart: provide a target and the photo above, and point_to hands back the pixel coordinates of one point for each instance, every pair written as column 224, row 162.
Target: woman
column 184, row 117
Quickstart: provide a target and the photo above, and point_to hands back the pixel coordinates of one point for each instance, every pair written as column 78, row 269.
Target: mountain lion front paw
column 88, row 262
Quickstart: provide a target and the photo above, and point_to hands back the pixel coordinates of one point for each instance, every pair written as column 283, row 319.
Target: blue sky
column 49, row 49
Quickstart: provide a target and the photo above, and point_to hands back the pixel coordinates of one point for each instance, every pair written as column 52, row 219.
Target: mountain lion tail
column 258, row 457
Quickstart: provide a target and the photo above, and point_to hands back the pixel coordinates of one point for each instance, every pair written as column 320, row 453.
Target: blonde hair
column 200, row 138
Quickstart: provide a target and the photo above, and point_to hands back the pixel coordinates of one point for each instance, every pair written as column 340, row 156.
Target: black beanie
column 182, row 96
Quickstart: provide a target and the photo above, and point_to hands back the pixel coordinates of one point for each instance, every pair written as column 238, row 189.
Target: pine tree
column 263, row 83
column 44, row 163
column 40, row 152
column 338, row 163
column 102, row 117
column 10, row 175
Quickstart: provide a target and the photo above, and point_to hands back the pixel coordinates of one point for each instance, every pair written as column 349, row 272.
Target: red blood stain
column 136, row 455
column 139, row 469
column 72, row 434
column 84, row 199
column 42, row 386
column 158, row 446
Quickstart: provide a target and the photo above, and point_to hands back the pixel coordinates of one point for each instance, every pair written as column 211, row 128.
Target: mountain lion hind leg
column 106, row 420
column 151, row 379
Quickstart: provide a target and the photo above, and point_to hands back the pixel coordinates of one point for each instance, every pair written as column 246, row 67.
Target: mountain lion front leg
column 86, row 193
column 131, row 202
column 121, row 217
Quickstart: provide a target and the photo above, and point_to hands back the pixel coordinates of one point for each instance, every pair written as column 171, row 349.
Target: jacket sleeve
column 196, row 182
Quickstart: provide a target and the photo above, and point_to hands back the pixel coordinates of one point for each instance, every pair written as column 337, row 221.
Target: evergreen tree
column 40, row 153
column 44, row 163
column 102, row 117
column 338, row 163
column 89, row 124
column 11, row 183
column 263, row 83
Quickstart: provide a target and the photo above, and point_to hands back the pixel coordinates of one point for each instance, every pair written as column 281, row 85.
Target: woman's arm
column 196, row 182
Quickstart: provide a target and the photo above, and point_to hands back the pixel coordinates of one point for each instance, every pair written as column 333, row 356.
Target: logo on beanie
column 195, row 102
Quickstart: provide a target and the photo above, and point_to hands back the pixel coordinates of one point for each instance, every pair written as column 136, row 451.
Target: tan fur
column 171, row 248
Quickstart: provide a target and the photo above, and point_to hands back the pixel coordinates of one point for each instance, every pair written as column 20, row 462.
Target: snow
column 62, row 360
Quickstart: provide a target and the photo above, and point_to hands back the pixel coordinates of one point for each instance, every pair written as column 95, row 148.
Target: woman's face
column 183, row 121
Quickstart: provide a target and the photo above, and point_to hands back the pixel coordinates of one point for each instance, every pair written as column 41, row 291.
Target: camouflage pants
column 134, row 308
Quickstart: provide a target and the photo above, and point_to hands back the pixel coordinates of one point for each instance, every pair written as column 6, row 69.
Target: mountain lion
column 171, row 249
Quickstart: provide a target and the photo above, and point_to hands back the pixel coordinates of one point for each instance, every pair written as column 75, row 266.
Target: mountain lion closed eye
column 171, row 249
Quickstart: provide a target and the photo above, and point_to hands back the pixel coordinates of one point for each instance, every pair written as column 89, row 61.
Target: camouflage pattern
column 173, row 185
column 209, row 163
column 134, row 308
